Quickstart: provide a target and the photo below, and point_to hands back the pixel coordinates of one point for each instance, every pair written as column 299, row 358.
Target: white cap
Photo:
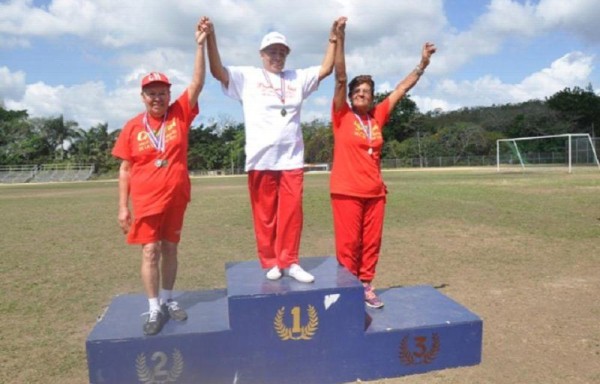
column 273, row 38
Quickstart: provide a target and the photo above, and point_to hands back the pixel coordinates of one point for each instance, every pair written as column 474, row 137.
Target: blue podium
column 276, row 332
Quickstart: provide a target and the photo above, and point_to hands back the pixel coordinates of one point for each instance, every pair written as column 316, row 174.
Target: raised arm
column 217, row 69
column 327, row 64
column 341, row 79
column 413, row 77
column 199, row 74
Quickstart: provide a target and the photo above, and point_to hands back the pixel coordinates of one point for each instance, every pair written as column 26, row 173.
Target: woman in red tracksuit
column 356, row 186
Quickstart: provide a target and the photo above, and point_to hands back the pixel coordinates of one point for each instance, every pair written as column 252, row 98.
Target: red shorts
column 163, row 226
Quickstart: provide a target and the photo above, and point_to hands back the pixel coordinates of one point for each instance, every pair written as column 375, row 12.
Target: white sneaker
column 300, row 274
column 274, row 273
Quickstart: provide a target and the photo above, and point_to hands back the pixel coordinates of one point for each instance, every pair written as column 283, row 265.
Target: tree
column 581, row 107
column 397, row 127
column 94, row 146
column 207, row 149
column 421, row 126
column 14, row 130
column 57, row 133
column 235, row 139
column 318, row 142
column 535, row 119
column 461, row 140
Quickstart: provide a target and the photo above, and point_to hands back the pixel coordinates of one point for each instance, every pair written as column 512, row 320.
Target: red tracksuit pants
column 276, row 199
column 358, row 226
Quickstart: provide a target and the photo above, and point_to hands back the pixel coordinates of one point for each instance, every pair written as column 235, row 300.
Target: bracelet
column 419, row 70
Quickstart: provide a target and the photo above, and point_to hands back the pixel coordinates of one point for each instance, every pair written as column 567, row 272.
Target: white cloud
column 507, row 20
column 12, row 84
column 503, row 19
column 88, row 104
column 426, row 104
column 571, row 69
column 506, row 17
column 384, row 39
column 40, row 100
column 567, row 71
column 577, row 16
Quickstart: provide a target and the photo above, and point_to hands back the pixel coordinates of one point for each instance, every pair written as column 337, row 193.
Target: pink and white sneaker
column 371, row 299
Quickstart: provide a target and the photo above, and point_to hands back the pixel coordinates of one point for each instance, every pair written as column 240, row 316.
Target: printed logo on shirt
column 360, row 132
column 143, row 140
column 267, row 89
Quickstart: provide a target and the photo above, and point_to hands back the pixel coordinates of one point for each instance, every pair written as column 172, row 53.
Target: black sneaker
column 174, row 310
column 154, row 323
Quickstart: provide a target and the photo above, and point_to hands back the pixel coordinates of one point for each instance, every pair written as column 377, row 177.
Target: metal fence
column 45, row 173
column 17, row 173
column 581, row 156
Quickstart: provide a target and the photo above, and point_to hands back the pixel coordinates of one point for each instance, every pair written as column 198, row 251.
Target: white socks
column 154, row 304
column 165, row 295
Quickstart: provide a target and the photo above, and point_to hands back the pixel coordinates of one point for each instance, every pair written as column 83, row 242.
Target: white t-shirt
column 273, row 141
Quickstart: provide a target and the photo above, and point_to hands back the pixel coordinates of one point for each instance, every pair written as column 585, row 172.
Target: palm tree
column 57, row 133
column 94, row 146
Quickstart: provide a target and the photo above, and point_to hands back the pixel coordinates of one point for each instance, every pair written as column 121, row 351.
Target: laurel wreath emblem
column 147, row 375
column 426, row 357
column 306, row 332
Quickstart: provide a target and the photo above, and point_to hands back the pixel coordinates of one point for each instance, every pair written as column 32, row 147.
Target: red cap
column 155, row 77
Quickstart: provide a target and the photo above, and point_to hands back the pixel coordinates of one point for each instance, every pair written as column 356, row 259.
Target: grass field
column 520, row 250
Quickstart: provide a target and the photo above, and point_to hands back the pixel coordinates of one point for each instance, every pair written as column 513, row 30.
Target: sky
column 84, row 59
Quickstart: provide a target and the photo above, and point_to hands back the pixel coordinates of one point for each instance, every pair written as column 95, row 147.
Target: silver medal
column 283, row 112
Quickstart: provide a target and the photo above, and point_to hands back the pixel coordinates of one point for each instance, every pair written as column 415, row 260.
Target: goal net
column 553, row 152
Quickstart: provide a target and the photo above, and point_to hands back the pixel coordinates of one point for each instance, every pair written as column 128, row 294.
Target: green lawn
column 476, row 233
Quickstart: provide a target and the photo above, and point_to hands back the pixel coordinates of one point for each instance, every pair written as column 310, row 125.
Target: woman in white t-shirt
column 271, row 99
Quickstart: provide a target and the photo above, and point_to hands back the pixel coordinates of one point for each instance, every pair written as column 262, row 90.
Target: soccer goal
column 547, row 152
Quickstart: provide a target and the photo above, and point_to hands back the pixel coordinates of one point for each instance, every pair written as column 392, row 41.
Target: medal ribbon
column 366, row 129
column 282, row 95
column 158, row 141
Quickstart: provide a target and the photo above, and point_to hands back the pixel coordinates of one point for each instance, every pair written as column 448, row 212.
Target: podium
column 276, row 332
